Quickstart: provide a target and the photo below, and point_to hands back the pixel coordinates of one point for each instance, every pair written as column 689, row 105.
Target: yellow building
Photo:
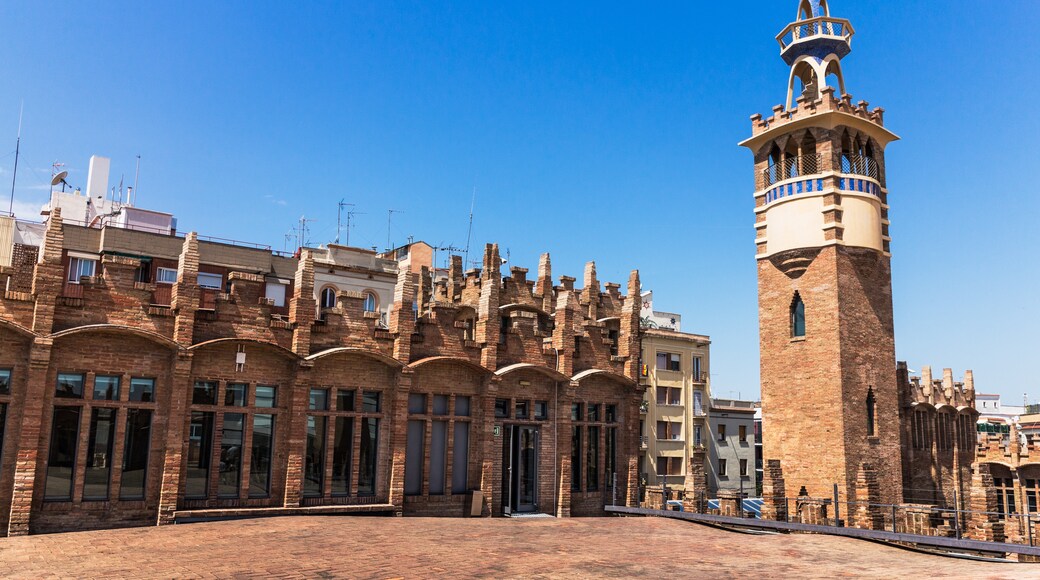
column 674, row 423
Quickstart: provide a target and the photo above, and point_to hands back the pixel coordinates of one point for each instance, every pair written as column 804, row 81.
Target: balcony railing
column 643, row 441
column 162, row 295
column 860, row 165
column 820, row 26
column 789, row 167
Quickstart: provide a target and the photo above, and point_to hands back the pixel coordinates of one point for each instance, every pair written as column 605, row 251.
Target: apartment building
column 732, row 447
column 675, row 406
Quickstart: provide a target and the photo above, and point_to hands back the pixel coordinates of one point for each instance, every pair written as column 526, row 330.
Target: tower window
column 871, row 415
column 797, row 316
column 370, row 302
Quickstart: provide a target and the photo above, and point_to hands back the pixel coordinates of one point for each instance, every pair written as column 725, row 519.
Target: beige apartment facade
column 674, row 428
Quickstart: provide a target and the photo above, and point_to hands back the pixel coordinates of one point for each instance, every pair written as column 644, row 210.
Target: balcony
column 643, row 442
column 860, row 165
column 791, row 167
column 820, row 35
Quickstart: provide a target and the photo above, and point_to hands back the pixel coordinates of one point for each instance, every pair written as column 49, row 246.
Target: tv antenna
column 390, row 214
column 339, row 217
column 17, row 151
column 137, row 175
column 448, row 248
column 469, row 232
column 303, row 231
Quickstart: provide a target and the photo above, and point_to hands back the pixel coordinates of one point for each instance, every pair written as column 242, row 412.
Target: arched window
column 871, row 415
column 370, row 302
column 328, row 297
column 797, row 316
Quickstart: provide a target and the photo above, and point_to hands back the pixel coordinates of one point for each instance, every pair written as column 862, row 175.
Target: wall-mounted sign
column 497, row 431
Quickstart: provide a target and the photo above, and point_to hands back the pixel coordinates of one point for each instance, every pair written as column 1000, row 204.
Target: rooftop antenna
column 339, row 216
column 17, row 151
column 389, row 214
column 469, row 232
column 58, row 175
column 350, row 215
column 137, row 175
column 303, row 231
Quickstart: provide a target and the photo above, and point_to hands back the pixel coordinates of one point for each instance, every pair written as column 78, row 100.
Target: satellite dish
column 59, row 178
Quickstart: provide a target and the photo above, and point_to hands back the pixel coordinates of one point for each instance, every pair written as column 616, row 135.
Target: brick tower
column 829, row 396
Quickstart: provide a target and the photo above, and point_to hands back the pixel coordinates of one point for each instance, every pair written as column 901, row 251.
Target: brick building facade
column 840, row 417
column 194, row 394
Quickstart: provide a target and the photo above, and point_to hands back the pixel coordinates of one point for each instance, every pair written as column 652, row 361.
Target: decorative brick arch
column 119, row 329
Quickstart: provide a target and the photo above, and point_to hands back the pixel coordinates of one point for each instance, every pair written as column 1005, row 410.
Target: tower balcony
column 791, row 167
column 817, row 37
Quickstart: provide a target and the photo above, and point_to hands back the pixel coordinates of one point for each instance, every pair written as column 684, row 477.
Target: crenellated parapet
column 937, row 392
column 807, row 108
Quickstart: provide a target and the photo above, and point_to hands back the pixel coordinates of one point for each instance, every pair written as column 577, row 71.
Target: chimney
column 97, row 176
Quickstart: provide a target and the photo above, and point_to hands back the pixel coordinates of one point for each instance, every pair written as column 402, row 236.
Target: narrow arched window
column 797, row 316
column 871, row 415
column 370, row 302
column 328, row 297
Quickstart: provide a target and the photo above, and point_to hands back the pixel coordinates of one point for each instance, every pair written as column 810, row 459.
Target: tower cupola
column 813, row 46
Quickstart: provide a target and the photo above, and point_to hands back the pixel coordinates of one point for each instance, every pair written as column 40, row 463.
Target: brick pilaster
column 774, row 492
column 402, row 316
column 302, row 306
column 590, row 293
column 29, row 439
column 173, row 475
column 455, row 280
column 48, row 275
column 695, row 485
column 399, row 439
column 984, row 526
column 631, row 444
column 299, row 402
column 488, row 319
column 868, row 514
column 564, row 436
column 543, row 287
column 563, row 333
column 185, row 291
column 491, row 444
column 630, row 329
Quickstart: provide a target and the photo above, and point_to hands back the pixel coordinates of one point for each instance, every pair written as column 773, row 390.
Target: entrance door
column 520, row 459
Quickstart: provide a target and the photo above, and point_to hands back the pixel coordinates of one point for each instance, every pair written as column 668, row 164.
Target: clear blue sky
column 602, row 131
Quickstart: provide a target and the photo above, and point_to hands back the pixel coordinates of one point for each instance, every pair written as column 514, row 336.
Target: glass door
column 525, row 460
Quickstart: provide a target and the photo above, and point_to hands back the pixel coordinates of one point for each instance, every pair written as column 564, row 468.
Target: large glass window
column 231, row 455
column 135, row 453
column 341, row 454
column 99, row 454
column 142, row 390
column 61, row 459
column 314, row 462
column 592, row 459
column 415, row 455
column 266, row 396
column 235, row 394
column 367, row 455
column 205, row 393
column 106, row 388
column 5, row 381
column 200, row 448
column 438, row 456
column 70, row 386
column 576, row 459
column 460, row 458
column 3, row 423
column 260, row 458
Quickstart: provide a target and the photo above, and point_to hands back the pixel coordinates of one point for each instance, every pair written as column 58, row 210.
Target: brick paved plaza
column 427, row 547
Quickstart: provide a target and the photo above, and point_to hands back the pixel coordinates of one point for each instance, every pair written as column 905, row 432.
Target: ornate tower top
column 813, row 46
